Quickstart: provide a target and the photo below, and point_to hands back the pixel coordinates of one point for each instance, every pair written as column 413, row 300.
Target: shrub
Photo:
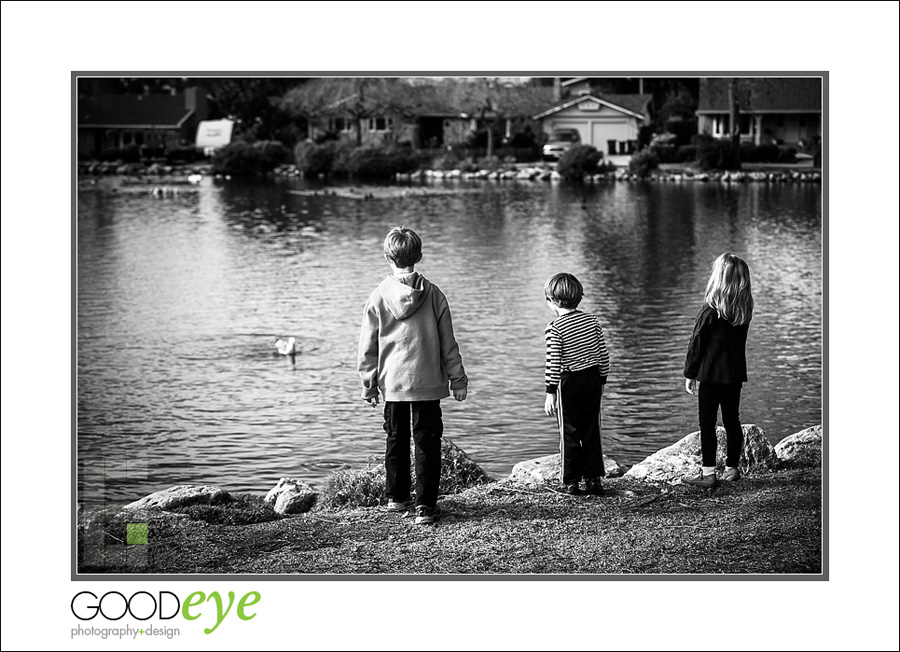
column 182, row 154
column 127, row 154
column 271, row 154
column 686, row 153
column 715, row 154
column 491, row 164
column 579, row 161
column 354, row 487
column 450, row 160
column 666, row 153
column 313, row 158
column 130, row 153
column 749, row 153
column 787, row 155
column 767, row 153
column 402, row 160
column 643, row 163
column 365, row 487
column 239, row 159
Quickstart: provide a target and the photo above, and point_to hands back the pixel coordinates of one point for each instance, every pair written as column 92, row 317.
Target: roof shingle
column 769, row 94
column 125, row 110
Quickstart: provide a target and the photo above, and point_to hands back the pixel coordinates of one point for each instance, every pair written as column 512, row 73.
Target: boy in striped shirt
column 576, row 371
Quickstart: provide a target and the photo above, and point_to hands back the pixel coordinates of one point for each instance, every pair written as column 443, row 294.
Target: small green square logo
column 136, row 533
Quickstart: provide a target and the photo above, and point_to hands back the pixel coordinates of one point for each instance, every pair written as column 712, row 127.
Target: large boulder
column 182, row 496
column 803, row 448
column 544, row 470
column 291, row 496
column 674, row 462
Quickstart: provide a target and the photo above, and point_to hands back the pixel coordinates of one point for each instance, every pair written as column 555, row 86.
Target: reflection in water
column 179, row 298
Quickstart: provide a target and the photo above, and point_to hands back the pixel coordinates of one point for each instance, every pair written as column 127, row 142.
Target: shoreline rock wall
column 365, row 487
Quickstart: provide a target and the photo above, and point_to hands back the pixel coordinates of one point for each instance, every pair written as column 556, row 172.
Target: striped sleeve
column 553, row 359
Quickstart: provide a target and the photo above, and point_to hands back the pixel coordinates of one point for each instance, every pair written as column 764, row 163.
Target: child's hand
column 373, row 401
column 460, row 394
column 690, row 385
column 550, row 405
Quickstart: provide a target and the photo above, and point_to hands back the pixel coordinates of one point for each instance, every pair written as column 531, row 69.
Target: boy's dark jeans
column 710, row 397
column 427, row 428
column 579, row 397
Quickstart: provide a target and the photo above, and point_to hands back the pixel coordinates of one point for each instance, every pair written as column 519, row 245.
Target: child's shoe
column 572, row 489
column 702, row 481
column 399, row 505
column 424, row 515
column 731, row 474
column 593, row 486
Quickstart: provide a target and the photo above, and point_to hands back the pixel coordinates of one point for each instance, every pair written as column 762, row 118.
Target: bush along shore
column 645, row 522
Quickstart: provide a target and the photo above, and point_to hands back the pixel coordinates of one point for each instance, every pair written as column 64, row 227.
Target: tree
column 254, row 105
column 354, row 98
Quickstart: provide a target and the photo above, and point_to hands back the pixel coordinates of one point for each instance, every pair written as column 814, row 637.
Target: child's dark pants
column 711, row 396
column 427, row 428
column 579, row 397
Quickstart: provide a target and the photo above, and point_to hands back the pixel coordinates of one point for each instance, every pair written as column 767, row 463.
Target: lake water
column 180, row 297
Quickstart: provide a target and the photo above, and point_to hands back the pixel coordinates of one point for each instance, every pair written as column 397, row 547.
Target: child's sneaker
column 593, row 486
column 572, row 489
column 399, row 505
column 424, row 515
column 731, row 475
column 702, row 481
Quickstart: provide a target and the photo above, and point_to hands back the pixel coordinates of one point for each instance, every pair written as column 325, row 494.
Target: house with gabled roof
column 431, row 113
column 155, row 121
column 781, row 110
column 609, row 123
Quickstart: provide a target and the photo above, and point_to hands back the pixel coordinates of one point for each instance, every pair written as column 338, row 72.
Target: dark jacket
column 717, row 350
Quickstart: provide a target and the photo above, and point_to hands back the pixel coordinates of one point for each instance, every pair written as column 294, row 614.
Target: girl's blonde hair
column 728, row 291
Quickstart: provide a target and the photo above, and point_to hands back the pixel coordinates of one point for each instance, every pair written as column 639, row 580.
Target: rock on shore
column 674, row 462
column 803, row 448
column 545, row 470
column 181, row 496
column 291, row 496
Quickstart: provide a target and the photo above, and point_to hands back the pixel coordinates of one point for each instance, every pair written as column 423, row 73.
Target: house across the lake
column 781, row 110
column 155, row 121
column 609, row 123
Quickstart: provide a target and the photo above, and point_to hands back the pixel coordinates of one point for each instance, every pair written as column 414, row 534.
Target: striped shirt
column 574, row 343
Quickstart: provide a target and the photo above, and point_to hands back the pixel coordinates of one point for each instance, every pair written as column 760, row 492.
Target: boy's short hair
column 564, row 289
column 403, row 246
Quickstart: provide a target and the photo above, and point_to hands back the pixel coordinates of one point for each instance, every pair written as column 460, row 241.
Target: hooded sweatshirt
column 406, row 345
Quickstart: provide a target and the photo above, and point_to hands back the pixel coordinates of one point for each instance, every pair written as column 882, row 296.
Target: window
column 126, row 138
column 341, row 125
column 721, row 126
column 379, row 124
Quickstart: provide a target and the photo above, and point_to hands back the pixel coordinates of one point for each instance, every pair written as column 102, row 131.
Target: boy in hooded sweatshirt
column 407, row 352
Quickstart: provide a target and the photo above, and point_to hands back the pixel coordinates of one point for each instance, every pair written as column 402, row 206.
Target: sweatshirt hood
column 404, row 298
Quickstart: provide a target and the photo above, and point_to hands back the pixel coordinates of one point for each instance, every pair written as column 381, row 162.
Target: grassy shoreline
column 768, row 523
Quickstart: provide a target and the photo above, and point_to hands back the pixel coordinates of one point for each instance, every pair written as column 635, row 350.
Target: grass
column 766, row 524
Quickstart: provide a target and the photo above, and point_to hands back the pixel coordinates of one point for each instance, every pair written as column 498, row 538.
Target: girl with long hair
column 716, row 361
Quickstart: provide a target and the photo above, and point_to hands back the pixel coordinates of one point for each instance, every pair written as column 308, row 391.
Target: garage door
column 603, row 132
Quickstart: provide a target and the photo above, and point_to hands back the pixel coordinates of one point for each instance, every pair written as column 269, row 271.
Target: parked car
column 559, row 143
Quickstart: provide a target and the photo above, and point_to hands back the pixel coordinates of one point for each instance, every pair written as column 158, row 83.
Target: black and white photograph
column 467, row 325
